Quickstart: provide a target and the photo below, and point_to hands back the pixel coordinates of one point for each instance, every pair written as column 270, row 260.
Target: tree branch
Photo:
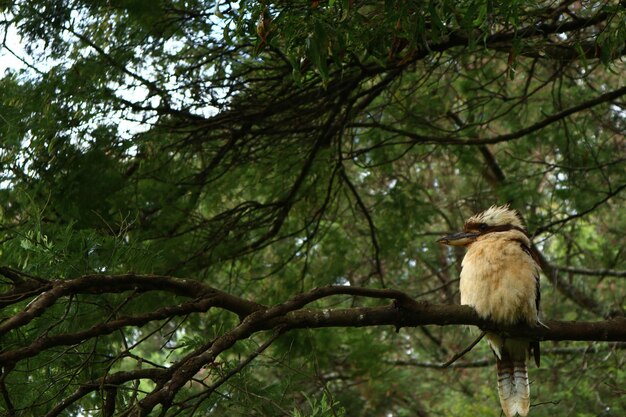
column 403, row 313
column 567, row 289
column 115, row 284
column 45, row 342
column 112, row 380
column 610, row 194
column 443, row 140
column 370, row 223
column 421, row 314
column 591, row 272
column 490, row 361
column 290, row 315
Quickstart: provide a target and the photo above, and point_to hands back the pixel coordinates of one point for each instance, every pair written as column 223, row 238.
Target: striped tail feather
column 513, row 386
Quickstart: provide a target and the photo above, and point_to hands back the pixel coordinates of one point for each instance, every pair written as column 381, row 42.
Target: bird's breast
column 498, row 279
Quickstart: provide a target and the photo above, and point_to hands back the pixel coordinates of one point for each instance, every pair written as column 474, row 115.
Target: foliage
column 264, row 149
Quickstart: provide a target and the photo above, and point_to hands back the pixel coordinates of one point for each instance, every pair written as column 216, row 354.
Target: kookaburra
column 500, row 279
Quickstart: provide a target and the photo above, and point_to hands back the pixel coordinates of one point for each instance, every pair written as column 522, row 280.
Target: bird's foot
column 542, row 324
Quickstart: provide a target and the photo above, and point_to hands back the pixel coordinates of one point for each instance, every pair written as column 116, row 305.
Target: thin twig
column 205, row 394
column 370, row 222
column 464, row 351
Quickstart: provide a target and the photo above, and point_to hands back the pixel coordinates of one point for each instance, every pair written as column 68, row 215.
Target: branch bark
column 422, row 314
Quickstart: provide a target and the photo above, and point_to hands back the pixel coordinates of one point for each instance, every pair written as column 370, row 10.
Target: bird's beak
column 458, row 239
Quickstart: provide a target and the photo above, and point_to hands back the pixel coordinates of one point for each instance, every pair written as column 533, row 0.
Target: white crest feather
column 497, row 216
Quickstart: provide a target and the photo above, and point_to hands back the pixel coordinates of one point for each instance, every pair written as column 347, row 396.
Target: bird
column 500, row 280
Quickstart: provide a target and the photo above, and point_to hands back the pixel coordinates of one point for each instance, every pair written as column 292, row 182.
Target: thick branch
column 403, row 313
column 101, row 284
column 421, row 314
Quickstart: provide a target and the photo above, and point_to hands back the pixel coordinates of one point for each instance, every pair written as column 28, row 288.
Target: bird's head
column 494, row 219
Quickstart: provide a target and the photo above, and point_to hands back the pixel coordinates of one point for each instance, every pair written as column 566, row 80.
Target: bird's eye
column 482, row 227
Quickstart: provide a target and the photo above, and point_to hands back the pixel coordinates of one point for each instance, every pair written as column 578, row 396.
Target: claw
column 542, row 324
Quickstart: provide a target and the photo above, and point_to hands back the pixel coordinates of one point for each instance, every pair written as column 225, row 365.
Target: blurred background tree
column 268, row 148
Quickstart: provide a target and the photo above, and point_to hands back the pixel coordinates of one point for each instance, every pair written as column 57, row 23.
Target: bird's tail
column 513, row 386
